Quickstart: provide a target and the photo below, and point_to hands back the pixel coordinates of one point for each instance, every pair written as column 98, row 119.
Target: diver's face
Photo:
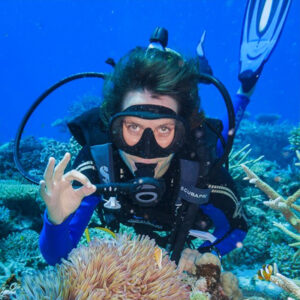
column 133, row 127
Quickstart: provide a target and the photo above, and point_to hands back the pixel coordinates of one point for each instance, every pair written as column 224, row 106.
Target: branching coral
column 270, row 273
column 124, row 268
column 287, row 207
column 277, row 202
column 286, row 283
column 236, row 158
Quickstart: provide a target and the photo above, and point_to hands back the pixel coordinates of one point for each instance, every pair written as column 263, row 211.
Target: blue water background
column 42, row 42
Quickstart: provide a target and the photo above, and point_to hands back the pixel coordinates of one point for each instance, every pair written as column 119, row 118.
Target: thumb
column 42, row 190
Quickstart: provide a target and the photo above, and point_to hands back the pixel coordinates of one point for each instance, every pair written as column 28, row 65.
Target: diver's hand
column 187, row 260
column 56, row 190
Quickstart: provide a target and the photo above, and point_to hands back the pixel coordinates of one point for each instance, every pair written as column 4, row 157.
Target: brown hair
column 159, row 72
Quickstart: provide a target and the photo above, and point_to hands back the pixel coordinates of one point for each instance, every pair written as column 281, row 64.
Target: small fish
column 288, row 152
column 158, row 256
column 265, row 272
column 277, row 178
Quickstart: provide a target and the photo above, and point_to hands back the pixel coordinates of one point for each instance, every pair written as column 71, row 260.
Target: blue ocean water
column 43, row 41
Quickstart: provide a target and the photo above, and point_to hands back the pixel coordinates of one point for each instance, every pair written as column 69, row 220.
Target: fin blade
column 263, row 24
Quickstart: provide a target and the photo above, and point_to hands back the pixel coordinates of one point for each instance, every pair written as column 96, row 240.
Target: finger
column 182, row 261
column 190, row 263
column 85, row 191
column 187, row 260
column 76, row 175
column 43, row 192
column 48, row 174
column 61, row 166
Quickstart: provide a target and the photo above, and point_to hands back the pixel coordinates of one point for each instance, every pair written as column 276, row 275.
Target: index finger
column 61, row 166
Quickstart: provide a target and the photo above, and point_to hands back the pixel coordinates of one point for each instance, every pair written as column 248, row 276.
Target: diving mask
column 148, row 131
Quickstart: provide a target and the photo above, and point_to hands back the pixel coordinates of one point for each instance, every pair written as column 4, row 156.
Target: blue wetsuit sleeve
column 225, row 212
column 229, row 234
column 240, row 103
column 57, row 241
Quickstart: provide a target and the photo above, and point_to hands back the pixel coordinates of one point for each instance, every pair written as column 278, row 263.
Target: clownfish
column 265, row 272
column 158, row 256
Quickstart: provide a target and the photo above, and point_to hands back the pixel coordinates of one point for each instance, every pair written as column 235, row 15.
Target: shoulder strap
column 103, row 158
column 190, row 190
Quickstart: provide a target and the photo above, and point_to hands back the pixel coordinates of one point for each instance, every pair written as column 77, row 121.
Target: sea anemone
column 124, row 268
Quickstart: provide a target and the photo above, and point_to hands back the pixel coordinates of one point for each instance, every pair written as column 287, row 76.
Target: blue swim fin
column 263, row 23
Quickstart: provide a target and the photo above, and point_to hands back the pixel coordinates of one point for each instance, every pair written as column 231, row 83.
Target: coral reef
column 270, row 273
column 267, row 239
column 236, row 157
column 294, row 138
column 12, row 190
column 19, row 254
column 265, row 136
column 298, row 157
column 265, row 243
column 126, row 268
column 57, row 149
column 21, row 200
column 267, row 118
column 277, row 202
column 289, row 209
column 206, row 279
column 4, row 215
column 34, row 154
column 30, row 152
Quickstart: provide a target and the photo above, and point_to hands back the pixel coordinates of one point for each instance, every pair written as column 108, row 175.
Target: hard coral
column 11, row 190
column 124, row 268
column 277, row 202
column 210, row 282
column 230, row 286
column 294, row 138
column 263, row 136
column 19, row 254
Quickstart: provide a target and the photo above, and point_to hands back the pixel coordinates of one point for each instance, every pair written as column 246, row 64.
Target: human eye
column 164, row 130
column 133, row 127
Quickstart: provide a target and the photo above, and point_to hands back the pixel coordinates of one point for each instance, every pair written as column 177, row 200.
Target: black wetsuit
column 222, row 213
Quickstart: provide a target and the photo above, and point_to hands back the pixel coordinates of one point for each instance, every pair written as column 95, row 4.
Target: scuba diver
column 149, row 131
column 149, row 158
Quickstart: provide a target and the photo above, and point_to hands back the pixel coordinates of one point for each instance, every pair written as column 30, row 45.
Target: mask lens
column 162, row 129
column 147, row 137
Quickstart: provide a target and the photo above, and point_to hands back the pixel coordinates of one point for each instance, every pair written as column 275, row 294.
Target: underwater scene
column 150, row 149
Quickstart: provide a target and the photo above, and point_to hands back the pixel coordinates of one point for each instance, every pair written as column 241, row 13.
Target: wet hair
column 160, row 72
